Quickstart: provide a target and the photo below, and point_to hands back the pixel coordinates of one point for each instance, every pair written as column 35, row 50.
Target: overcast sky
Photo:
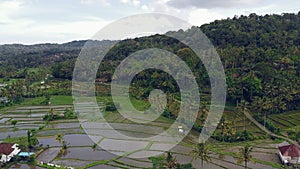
column 58, row 21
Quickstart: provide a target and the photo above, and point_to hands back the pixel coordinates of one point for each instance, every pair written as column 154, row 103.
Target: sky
column 60, row 21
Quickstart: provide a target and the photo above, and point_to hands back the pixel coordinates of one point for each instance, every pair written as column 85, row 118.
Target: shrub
column 111, row 106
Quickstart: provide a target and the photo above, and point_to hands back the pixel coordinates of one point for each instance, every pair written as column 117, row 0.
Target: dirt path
column 266, row 130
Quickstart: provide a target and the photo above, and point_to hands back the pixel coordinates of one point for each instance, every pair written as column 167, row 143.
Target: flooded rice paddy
column 81, row 151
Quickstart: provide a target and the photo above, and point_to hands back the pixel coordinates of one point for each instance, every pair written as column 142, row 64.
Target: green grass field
column 61, row 100
column 33, row 101
column 138, row 104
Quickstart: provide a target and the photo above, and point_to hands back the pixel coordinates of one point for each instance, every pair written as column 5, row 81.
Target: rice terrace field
column 288, row 120
column 82, row 152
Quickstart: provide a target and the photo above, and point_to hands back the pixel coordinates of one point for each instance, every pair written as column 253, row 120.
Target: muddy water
column 78, row 140
column 87, row 154
column 37, row 115
column 4, row 120
column 103, row 167
column 138, row 163
column 24, row 166
column 72, row 140
column 46, row 133
column 71, row 163
column 18, row 133
column 64, row 125
column 49, row 141
column 48, row 155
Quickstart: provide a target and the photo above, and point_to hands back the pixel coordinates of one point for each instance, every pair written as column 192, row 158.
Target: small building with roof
column 8, row 151
column 289, row 154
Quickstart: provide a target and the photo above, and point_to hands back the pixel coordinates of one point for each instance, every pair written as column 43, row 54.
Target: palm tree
column 201, row 151
column 29, row 139
column 204, row 111
column 52, row 113
column 245, row 155
column 14, row 122
column 225, row 128
column 170, row 162
column 59, row 138
column 243, row 107
column 257, row 105
column 267, row 105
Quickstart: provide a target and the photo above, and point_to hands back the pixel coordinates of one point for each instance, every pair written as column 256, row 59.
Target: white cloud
column 124, row 1
column 131, row 2
column 145, row 8
column 202, row 16
column 208, row 4
column 8, row 9
column 104, row 3
column 29, row 31
column 136, row 2
column 36, row 21
column 161, row 6
column 18, row 29
column 19, row 26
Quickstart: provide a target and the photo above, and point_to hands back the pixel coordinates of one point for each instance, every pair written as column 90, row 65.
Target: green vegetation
column 254, row 51
column 24, row 142
column 61, row 100
column 245, row 155
column 62, row 141
column 288, row 123
column 52, row 115
column 168, row 161
column 236, row 137
column 110, row 105
column 201, row 152
column 287, row 120
column 14, row 122
column 32, row 139
column 33, row 101
column 269, row 125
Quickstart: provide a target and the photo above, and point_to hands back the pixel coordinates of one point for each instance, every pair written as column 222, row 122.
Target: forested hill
column 19, row 55
column 15, row 57
column 260, row 55
column 269, row 31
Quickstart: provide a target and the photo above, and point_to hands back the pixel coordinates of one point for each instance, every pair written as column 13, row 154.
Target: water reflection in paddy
column 103, row 167
column 24, row 166
column 49, row 141
column 88, row 154
column 4, row 120
column 78, row 140
column 18, row 133
column 46, row 133
column 72, row 140
column 64, row 125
